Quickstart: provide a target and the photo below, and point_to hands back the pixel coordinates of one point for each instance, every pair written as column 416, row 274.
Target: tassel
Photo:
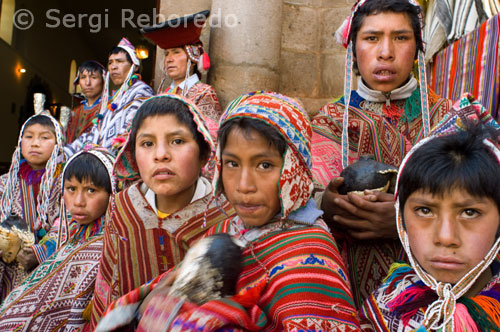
column 249, row 296
column 463, row 321
column 409, row 302
column 204, row 63
column 484, row 311
column 87, row 313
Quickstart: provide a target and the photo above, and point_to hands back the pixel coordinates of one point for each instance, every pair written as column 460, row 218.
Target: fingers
column 370, row 204
column 380, row 196
column 334, row 184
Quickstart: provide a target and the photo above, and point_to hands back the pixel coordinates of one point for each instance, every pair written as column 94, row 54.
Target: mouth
column 384, row 74
column 79, row 216
column 446, row 263
column 247, row 208
column 163, row 173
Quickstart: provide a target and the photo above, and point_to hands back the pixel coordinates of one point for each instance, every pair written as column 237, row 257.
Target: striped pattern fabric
column 471, row 64
column 81, row 120
column 307, row 286
column 56, row 293
column 139, row 246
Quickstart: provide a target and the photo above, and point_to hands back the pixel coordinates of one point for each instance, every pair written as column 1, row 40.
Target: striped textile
column 114, row 122
column 57, row 292
column 11, row 274
column 300, row 286
column 369, row 133
column 138, row 246
column 81, row 120
column 471, row 65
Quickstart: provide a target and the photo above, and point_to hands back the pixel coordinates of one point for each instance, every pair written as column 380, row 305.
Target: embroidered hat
column 342, row 36
column 107, row 159
column 182, row 32
column 126, row 169
column 287, row 116
column 440, row 314
column 130, row 49
column 47, row 181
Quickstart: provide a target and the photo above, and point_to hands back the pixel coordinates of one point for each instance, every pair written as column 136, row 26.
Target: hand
column 374, row 215
column 163, row 287
column 27, row 259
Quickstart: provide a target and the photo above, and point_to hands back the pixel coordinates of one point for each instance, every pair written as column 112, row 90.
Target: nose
column 386, row 49
column 246, row 181
column 79, row 199
column 112, row 65
column 162, row 152
column 86, row 81
column 35, row 141
column 446, row 233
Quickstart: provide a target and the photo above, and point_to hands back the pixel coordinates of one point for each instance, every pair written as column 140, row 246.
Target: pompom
column 113, row 106
column 204, row 63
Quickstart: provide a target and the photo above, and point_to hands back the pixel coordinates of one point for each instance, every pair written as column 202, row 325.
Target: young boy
column 56, row 293
column 155, row 220
column 32, row 192
column 292, row 278
column 448, row 207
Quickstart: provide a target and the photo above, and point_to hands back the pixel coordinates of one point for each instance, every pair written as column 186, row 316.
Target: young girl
column 448, row 207
column 32, row 192
column 293, row 278
column 56, row 293
column 155, row 220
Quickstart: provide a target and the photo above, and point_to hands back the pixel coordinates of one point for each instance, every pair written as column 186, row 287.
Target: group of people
column 110, row 207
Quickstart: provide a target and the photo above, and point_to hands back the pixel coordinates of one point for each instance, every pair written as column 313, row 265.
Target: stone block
column 331, row 20
column 312, row 105
column 298, row 73
column 300, row 30
column 332, row 75
column 231, row 81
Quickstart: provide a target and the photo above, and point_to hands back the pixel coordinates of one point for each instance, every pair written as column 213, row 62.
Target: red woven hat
column 178, row 32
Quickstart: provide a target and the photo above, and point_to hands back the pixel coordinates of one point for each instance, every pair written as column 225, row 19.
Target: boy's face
column 176, row 63
column 37, row 144
column 251, row 170
column 385, row 50
column 118, row 67
column 450, row 235
column 168, row 158
column 85, row 201
column 91, row 84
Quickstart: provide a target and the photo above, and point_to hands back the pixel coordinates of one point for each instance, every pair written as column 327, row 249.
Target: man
column 117, row 111
column 388, row 113
column 90, row 78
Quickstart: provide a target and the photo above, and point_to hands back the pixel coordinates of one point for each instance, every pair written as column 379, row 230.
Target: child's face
column 168, row 158
column 37, row 144
column 450, row 235
column 85, row 201
column 250, row 173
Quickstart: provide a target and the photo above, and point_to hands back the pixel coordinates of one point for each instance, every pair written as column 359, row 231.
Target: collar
column 202, row 188
column 85, row 102
column 186, row 84
column 400, row 93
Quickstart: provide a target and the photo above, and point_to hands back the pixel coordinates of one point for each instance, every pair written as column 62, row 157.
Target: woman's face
column 176, row 64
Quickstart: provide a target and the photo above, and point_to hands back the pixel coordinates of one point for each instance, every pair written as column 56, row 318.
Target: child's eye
column 69, row 188
column 27, row 136
column 177, row 141
column 402, row 38
column 91, row 190
column 470, row 213
column 265, row 165
column 230, row 164
column 423, row 211
column 371, row 38
column 146, row 144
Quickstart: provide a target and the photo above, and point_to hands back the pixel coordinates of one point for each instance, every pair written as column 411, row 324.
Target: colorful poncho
column 293, row 278
column 33, row 195
column 81, row 119
column 411, row 298
column 55, row 295
column 138, row 244
column 114, row 120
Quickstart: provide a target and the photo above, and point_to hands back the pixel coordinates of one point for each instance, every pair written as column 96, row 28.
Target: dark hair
column 117, row 50
column 41, row 120
column 168, row 106
column 247, row 124
column 92, row 66
column 459, row 160
column 372, row 7
column 90, row 168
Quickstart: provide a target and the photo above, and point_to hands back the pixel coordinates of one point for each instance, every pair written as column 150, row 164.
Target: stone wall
column 280, row 45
